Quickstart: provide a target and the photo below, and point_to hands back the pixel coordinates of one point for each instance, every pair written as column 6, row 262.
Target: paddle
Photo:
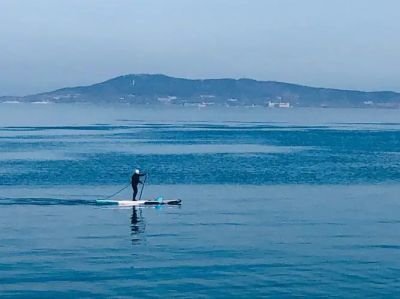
column 141, row 191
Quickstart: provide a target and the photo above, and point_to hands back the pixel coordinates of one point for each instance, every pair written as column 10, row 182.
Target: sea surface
column 276, row 203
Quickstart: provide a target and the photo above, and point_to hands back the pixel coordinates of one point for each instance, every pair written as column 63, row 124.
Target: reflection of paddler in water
column 137, row 225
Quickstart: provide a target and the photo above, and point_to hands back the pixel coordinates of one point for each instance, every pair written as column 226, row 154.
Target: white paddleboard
column 131, row 203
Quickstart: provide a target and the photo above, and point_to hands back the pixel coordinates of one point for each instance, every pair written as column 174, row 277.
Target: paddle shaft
column 141, row 191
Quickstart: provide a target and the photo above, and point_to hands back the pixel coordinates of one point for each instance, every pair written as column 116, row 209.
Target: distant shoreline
column 155, row 106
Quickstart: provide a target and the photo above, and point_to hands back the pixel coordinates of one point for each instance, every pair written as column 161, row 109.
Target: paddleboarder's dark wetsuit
column 135, row 181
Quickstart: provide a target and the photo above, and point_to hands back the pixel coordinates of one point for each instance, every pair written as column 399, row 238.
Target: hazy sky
column 48, row 44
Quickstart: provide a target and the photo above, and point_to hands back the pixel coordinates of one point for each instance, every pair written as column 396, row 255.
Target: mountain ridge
column 159, row 89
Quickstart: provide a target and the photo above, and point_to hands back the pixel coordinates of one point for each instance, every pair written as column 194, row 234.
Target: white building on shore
column 279, row 104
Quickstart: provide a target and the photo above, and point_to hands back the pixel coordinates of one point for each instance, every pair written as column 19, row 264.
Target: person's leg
column 135, row 191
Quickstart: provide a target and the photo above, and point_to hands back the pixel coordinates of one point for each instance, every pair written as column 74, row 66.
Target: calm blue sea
column 284, row 203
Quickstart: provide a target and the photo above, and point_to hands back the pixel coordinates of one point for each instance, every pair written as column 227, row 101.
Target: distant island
column 145, row 89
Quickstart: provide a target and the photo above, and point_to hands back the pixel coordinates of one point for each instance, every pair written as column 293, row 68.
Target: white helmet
column 137, row 171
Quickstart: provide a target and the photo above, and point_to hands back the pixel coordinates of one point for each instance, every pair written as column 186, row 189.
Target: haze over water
column 288, row 203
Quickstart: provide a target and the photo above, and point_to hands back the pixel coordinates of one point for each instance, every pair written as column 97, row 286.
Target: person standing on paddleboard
column 135, row 181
